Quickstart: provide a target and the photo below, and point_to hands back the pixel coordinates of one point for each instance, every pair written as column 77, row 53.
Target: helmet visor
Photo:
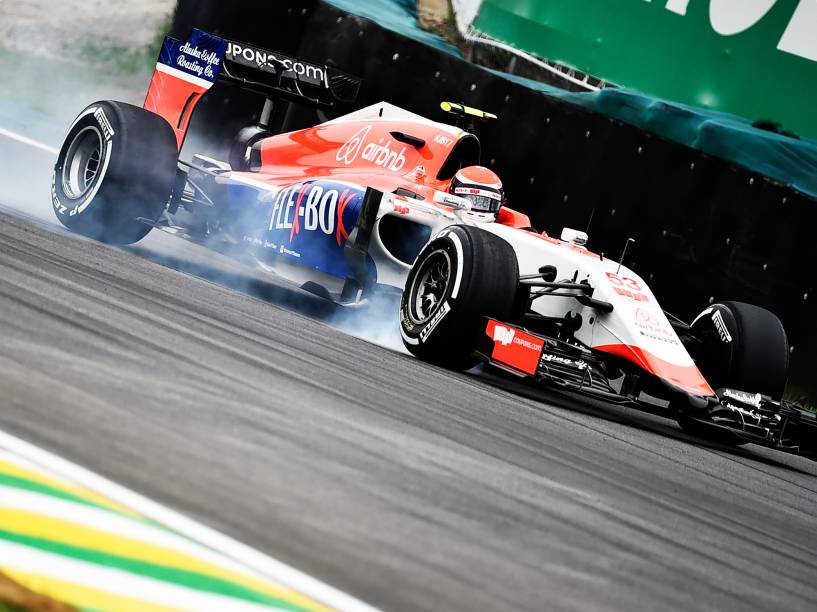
column 482, row 200
column 484, row 204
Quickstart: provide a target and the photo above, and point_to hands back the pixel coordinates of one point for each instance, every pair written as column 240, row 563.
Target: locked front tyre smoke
column 116, row 166
column 462, row 276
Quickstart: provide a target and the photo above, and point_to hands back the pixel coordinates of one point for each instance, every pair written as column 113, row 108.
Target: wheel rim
column 430, row 287
column 82, row 163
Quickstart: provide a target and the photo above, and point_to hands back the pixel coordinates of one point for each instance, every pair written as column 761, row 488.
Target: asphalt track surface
column 408, row 486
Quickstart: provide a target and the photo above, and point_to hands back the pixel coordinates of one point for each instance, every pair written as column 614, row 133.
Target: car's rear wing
column 283, row 76
column 186, row 70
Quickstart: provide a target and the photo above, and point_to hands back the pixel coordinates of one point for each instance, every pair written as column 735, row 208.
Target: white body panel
column 637, row 328
column 637, row 318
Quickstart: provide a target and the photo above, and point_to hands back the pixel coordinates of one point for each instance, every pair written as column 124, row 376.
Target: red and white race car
column 363, row 204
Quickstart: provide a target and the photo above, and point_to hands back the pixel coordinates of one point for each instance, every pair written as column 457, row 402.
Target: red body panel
column 365, row 153
column 687, row 378
column 514, row 348
column 366, row 147
column 174, row 99
column 513, row 218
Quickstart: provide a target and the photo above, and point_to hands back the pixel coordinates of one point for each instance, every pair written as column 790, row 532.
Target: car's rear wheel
column 114, row 171
column 462, row 276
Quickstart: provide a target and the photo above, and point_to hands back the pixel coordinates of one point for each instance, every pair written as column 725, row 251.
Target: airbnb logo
column 646, row 317
column 379, row 153
column 351, row 149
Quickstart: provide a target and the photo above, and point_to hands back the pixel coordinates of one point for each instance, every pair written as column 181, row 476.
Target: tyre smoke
column 46, row 85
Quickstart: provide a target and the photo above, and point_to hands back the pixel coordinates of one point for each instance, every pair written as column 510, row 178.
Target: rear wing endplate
column 186, row 70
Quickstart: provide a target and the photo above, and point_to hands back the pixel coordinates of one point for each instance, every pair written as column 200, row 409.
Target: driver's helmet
column 481, row 187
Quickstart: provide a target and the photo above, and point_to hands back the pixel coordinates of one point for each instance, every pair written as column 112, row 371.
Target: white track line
column 28, row 141
column 263, row 565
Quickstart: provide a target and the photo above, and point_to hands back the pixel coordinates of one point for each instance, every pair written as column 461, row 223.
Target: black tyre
column 239, row 158
column 742, row 347
column 117, row 165
column 462, row 276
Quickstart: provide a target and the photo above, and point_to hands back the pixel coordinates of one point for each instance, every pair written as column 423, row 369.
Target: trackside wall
column 704, row 228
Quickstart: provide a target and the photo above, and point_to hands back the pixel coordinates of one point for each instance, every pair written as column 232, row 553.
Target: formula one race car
column 363, row 204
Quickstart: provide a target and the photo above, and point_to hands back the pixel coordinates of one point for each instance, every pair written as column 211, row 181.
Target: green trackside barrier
column 753, row 58
column 720, row 134
column 789, row 161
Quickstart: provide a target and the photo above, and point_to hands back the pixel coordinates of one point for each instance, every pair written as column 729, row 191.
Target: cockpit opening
column 466, row 152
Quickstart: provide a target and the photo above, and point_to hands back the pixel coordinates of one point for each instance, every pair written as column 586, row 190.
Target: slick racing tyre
column 462, row 276
column 117, row 165
column 742, row 347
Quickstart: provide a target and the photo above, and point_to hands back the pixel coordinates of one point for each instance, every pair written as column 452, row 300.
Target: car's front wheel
column 462, row 276
column 743, row 347
column 737, row 346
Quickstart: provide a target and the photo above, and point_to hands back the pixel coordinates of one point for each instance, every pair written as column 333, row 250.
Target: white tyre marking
column 435, row 321
column 702, row 315
column 411, row 341
column 458, row 280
